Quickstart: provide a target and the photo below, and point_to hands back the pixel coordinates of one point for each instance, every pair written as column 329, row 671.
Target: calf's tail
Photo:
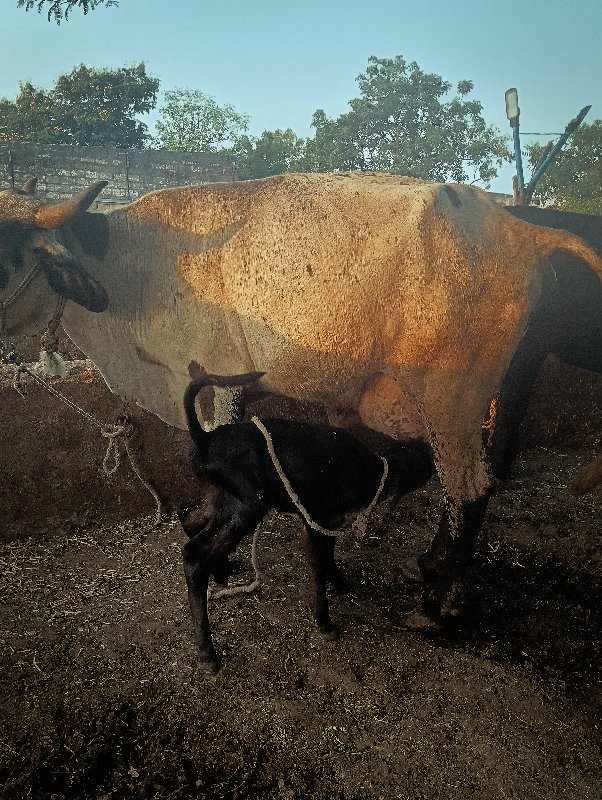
column 194, row 387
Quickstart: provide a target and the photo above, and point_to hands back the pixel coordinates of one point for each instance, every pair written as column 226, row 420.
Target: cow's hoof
column 453, row 602
column 419, row 621
column 411, row 571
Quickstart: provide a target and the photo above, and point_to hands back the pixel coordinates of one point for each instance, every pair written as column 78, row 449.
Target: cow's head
column 30, row 247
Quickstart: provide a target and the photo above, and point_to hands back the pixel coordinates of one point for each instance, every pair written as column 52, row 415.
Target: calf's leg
column 333, row 574
column 205, row 554
column 196, row 572
column 319, row 555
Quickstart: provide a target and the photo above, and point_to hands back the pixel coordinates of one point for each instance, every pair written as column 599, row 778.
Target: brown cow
column 395, row 299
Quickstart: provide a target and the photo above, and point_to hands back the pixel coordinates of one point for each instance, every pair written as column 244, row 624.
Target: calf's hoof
column 209, row 661
column 328, row 630
column 411, row 571
column 338, row 582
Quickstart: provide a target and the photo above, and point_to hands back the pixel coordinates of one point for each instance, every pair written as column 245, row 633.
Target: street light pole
column 522, row 193
column 513, row 114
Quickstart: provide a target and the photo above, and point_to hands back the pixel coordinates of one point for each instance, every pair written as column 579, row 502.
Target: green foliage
column 404, row 123
column 192, row 121
column 273, row 153
column 573, row 181
column 59, row 9
column 31, row 117
column 85, row 107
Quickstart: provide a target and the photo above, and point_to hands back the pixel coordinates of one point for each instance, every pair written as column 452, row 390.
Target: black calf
column 333, row 475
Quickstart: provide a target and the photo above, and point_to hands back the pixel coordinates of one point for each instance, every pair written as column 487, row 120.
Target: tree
column 30, row 118
column 273, row 153
column 574, row 181
column 404, row 123
column 192, row 121
column 85, row 107
column 59, row 9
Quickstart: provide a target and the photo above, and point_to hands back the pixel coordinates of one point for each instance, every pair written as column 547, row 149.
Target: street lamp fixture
column 512, row 109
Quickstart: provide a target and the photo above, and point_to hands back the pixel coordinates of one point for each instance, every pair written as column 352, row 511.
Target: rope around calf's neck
column 359, row 523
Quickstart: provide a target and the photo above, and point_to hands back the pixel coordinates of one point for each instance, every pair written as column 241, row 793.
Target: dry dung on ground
column 103, row 697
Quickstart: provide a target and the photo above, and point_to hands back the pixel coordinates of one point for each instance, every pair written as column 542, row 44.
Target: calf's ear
column 68, row 278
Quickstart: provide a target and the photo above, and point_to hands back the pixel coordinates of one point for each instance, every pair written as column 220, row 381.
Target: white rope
column 360, row 522
column 51, row 361
column 247, row 588
column 116, row 434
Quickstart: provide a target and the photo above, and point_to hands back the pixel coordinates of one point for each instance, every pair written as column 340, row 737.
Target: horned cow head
column 28, row 234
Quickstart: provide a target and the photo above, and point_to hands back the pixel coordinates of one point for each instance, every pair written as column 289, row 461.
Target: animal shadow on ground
column 523, row 606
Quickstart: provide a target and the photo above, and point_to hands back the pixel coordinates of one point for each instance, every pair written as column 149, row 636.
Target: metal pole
column 518, row 155
column 553, row 152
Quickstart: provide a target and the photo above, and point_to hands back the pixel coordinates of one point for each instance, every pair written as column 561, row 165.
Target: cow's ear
column 67, row 278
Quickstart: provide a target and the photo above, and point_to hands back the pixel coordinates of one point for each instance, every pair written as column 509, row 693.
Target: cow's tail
column 552, row 239
column 587, row 478
column 194, row 387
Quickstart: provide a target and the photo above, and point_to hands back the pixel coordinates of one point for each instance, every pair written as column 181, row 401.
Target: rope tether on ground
column 118, row 434
column 52, row 362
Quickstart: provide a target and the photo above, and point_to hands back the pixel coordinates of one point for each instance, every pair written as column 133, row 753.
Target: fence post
column 12, row 169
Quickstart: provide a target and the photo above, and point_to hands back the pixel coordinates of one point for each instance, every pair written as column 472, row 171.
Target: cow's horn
column 29, row 186
column 53, row 216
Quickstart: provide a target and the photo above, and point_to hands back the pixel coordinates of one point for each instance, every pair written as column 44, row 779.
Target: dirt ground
column 102, row 696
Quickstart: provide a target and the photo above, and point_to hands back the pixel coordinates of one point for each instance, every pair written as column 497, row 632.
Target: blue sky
column 279, row 61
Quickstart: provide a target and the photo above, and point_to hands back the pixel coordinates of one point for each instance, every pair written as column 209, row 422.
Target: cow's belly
column 386, row 408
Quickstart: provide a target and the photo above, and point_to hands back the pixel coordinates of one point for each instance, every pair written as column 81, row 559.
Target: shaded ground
column 103, row 698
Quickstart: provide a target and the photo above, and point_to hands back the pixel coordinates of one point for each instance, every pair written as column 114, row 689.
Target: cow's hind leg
column 465, row 475
column 445, row 563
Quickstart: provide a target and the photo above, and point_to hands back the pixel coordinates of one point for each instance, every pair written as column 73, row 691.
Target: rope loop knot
column 122, row 428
